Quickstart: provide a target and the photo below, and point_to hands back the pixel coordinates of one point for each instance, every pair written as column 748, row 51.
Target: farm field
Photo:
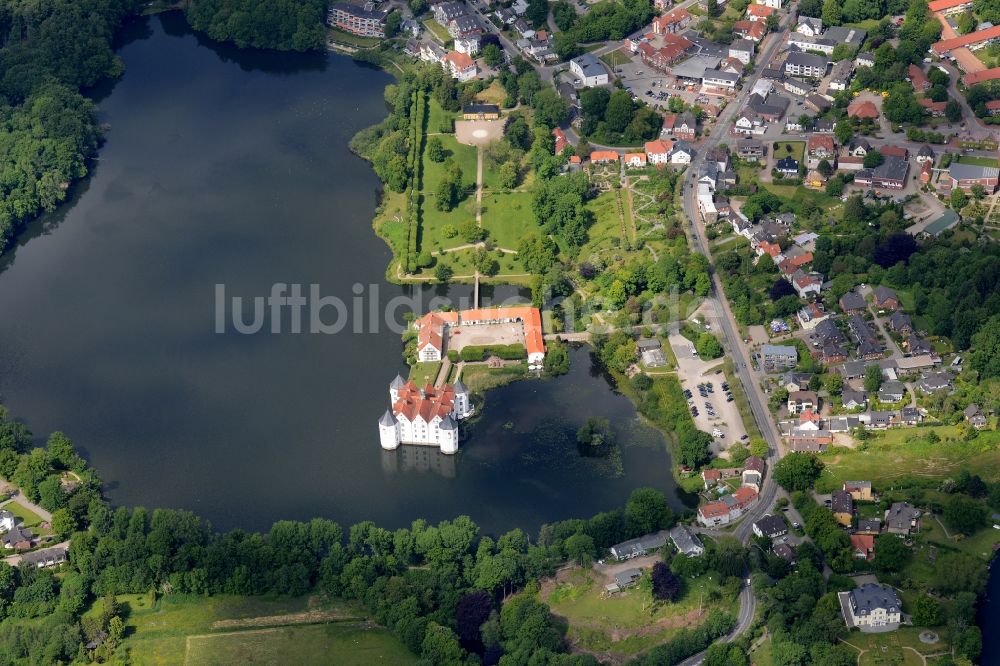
column 193, row 629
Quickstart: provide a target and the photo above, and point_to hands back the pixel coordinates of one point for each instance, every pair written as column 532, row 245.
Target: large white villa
column 871, row 607
column 428, row 416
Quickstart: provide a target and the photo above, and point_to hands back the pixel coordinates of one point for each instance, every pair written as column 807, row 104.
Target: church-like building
column 427, row 416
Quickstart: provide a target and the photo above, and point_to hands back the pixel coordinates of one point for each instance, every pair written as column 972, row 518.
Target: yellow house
column 860, row 491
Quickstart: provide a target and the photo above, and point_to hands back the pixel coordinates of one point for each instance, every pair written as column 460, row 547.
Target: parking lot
column 640, row 79
column 705, row 386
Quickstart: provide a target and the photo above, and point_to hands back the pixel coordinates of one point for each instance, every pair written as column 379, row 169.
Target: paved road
column 732, row 341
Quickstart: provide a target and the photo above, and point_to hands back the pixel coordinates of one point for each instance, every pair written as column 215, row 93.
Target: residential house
column 842, row 506
column 910, row 416
column 820, row 147
column 779, row 357
column 841, row 75
column 6, row 520
column 523, row 28
column 864, row 59
column 357, row 19
column 802, row 400
column 635, row 160
column 860, row 491
column 623, row 580
column 863, row 546
column 935, row 381
column 806, row 283
column 784, row 551
column 797, row 87
column 752, row 30
column 464, row 26
column 809, row 441
column 916, row 345
column 862, row 110
column 672, row 22
column 658, row 152
column 446, row 11
column 685, row 126
column 918, row 79
column 492, row 112
column 871, row 605
column 770, row 526
column 560, row 142
column 900, row 322
column 796, row 381
column 787, row 167
column 852, row 303
column 886, row 298
column 750, row 150
column 468, row 45
column 686, row 542
column 460, row 66
column 891, row 391
column 681, row 154
column 743, row 50
column 853, row 399
column 759, row 12
column 47, row 557
column 809, row 65
column 627, row 550
column 869, row 344
column 891, row 174
column 901, row 518
column 753, row 472
column 17, row 538
column 869, row 526
column 807, row 25
column 925, row 154
column 975, row 416
column 811, row 315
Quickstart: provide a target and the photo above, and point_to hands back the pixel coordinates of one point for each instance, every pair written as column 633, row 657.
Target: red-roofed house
column 461, row 66
column 759, row 12
column 560, row 140
column 668, row 124
column 752, row 30
column 636, row 160
column 768, row 248
column 603, row 156
column 658, row 152
column 671, row 22
column 865, row 110
column 710, row 477
column 902, row 152
column 918, row 78
column 863, row 546
column 993, row 106
column 821, row 147
column 936, row 109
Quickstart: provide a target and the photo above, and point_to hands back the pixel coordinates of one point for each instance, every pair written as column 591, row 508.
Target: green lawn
column 508, row 216
column 158, row 630
column 29, row 519
column 352, row 40
column 784, row 149
column 616, row 58
column 629, row 622
column 478, row 378
column 433, row 221
column 889, row 459
column 342, row 644
column 893, row 648
column 439, row 120
column 438, row 30
column 978, row 161
column 425, row 373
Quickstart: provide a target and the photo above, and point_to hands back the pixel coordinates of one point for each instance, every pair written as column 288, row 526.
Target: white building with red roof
column 433, row 328
column 427, row 416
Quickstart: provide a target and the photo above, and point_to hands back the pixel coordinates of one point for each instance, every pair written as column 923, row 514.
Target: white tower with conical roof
column 463, row 404
column 388, row 431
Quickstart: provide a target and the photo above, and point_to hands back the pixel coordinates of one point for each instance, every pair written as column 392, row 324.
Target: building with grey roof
column 626, row 550
column 770, row 526
column 872, row 607
column 901, row 518
column 809, row 65
column 686, row 542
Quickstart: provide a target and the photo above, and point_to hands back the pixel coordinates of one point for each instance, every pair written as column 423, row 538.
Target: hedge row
column 506, row 352
column 418, row 119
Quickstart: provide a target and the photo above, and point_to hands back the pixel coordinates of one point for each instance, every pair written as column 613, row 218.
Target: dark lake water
column 989, row 617
column 231, row 167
